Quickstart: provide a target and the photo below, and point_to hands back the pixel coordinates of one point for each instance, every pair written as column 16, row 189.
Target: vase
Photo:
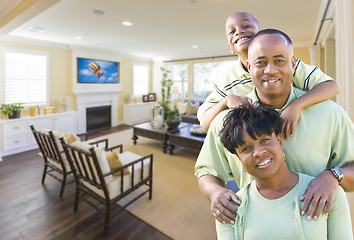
column 157, row 116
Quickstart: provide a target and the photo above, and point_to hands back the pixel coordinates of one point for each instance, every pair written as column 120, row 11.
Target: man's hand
column 290, row 116
column 321, row 190
column 221, row 207
column 233, row 101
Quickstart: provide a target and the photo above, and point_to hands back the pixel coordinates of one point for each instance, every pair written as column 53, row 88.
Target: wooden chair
column 55, row 163
column 98, row 188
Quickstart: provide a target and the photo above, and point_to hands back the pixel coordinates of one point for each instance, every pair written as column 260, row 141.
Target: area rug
column 177, row 207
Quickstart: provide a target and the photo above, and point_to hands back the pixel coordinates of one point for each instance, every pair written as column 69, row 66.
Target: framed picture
column 145, row 98
column 97, row 71
column 152, row 97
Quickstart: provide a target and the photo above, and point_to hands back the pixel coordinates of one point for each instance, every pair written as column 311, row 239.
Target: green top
column 323, row 138
column 262, row 218
column 237, row 81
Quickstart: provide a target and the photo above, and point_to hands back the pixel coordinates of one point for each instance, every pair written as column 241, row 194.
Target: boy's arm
column 321, row 92
column 230, row 101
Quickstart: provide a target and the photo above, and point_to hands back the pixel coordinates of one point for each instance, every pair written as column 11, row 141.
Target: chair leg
column 44, row 172
column 63, row 185
column 107, row 218
column 150, row 190
column 77, row 198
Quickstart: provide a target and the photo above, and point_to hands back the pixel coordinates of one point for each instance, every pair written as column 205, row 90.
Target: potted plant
column 13, row 110
column 173, row 118
column 166, row 85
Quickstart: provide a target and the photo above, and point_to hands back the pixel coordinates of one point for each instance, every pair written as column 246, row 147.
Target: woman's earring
column 284, row 156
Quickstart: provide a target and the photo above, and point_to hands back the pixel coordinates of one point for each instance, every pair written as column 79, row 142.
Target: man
column 323, row 137
column 230, row 90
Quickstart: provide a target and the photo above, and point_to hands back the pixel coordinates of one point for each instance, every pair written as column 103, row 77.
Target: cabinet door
column 65, row 123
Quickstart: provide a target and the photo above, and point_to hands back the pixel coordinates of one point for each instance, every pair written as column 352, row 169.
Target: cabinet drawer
column 15, row 141
column 12, row 128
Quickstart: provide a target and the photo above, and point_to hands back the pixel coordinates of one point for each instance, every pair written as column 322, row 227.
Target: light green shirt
column 237, row 81
column 323, row 138
column 261, row 218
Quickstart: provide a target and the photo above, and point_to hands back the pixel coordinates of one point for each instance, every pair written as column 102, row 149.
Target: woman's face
column 262, row 157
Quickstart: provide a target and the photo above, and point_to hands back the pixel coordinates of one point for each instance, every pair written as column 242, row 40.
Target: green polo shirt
column 237, row 81
column 324, row 137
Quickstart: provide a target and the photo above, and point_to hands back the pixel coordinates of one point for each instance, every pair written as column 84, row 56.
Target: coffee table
column 146, row 130
column 185, row 138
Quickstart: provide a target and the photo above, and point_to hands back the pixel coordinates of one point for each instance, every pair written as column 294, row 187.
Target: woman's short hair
column 257, row 120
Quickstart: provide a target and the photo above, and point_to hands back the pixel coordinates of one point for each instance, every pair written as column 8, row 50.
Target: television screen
column 97, row 71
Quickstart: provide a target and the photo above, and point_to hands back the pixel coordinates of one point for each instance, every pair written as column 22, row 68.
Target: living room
column 158, row 37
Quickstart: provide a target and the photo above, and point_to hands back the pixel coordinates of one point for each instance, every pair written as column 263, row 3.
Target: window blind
column 25, row 77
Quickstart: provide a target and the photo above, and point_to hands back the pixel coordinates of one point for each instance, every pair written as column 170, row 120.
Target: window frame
column 29, row 52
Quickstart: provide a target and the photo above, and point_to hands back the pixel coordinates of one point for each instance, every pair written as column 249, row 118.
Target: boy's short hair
column 257, row 120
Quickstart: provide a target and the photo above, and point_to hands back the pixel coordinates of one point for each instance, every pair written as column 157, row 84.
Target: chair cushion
column 114, row 163
column 114, row 187
column 101, row 157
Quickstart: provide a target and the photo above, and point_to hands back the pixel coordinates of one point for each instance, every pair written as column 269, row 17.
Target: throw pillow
column 114, row 163
column 57, row 136
column 101, row 157
column 192, row 108
column 70, row 138
column 182, row 107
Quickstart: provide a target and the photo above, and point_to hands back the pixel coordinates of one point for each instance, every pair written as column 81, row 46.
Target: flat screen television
column 97, row 71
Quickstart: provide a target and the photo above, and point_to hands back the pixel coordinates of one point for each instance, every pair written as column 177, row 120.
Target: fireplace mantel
column 85, row 99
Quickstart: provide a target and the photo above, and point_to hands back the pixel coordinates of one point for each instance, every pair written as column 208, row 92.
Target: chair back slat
column 85, row 166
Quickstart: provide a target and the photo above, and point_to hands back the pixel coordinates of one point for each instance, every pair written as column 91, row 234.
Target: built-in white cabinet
column 137, row 113
column 16, row 134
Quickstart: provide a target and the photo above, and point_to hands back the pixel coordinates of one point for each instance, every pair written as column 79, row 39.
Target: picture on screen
column 97, row 71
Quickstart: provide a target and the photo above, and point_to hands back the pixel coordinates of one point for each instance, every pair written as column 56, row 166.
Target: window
column 140, row 79
column 180, row 80
column 205, row 75
column 25, row 77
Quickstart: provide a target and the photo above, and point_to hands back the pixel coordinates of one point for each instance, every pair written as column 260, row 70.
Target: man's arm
column 230, row 101
column 322, row 189
column 214, row 190
column 321, row 92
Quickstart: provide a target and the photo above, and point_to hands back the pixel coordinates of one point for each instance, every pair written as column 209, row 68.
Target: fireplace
column 98, row 117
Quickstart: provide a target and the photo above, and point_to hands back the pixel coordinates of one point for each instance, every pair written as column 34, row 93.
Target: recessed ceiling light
column 78, row 38
column 36, row 29
column 195, row 46
column 126, row 23
column 98, row 12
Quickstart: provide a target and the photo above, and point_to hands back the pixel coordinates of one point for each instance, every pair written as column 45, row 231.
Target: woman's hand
column 221, row 207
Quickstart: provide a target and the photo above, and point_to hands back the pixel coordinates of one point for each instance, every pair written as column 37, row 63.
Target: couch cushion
column 192, row 108
column 182, row 107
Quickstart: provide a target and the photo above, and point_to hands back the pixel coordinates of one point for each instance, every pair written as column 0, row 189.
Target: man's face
column 240, row 27
column 271, row 64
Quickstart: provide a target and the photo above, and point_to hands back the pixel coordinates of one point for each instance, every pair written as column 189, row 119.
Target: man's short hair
column 270, row 31
column 258, row 119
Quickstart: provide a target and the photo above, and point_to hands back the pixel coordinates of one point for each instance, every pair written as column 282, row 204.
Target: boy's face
column 240, row 27
column 263, row 157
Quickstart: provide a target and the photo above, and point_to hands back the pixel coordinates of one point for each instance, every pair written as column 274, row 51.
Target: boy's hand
column 234, row 101
column 221, row 207
column 320, row 191
column 290, row 116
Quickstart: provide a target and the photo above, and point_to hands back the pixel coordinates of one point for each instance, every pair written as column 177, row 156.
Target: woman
column 271, row 203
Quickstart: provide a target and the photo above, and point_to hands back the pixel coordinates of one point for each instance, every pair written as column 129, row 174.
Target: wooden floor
column 30, row 210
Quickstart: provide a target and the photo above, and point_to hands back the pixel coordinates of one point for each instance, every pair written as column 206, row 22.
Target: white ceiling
column 165, row 29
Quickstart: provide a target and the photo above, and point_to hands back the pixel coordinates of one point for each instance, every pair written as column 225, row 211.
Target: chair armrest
column 100, row 141
column 120, row 146
column 83, row 136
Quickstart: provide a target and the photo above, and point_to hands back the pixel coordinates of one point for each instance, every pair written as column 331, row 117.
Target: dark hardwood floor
column 30, row 210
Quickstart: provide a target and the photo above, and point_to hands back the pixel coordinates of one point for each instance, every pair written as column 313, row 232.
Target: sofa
column 188, row 109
